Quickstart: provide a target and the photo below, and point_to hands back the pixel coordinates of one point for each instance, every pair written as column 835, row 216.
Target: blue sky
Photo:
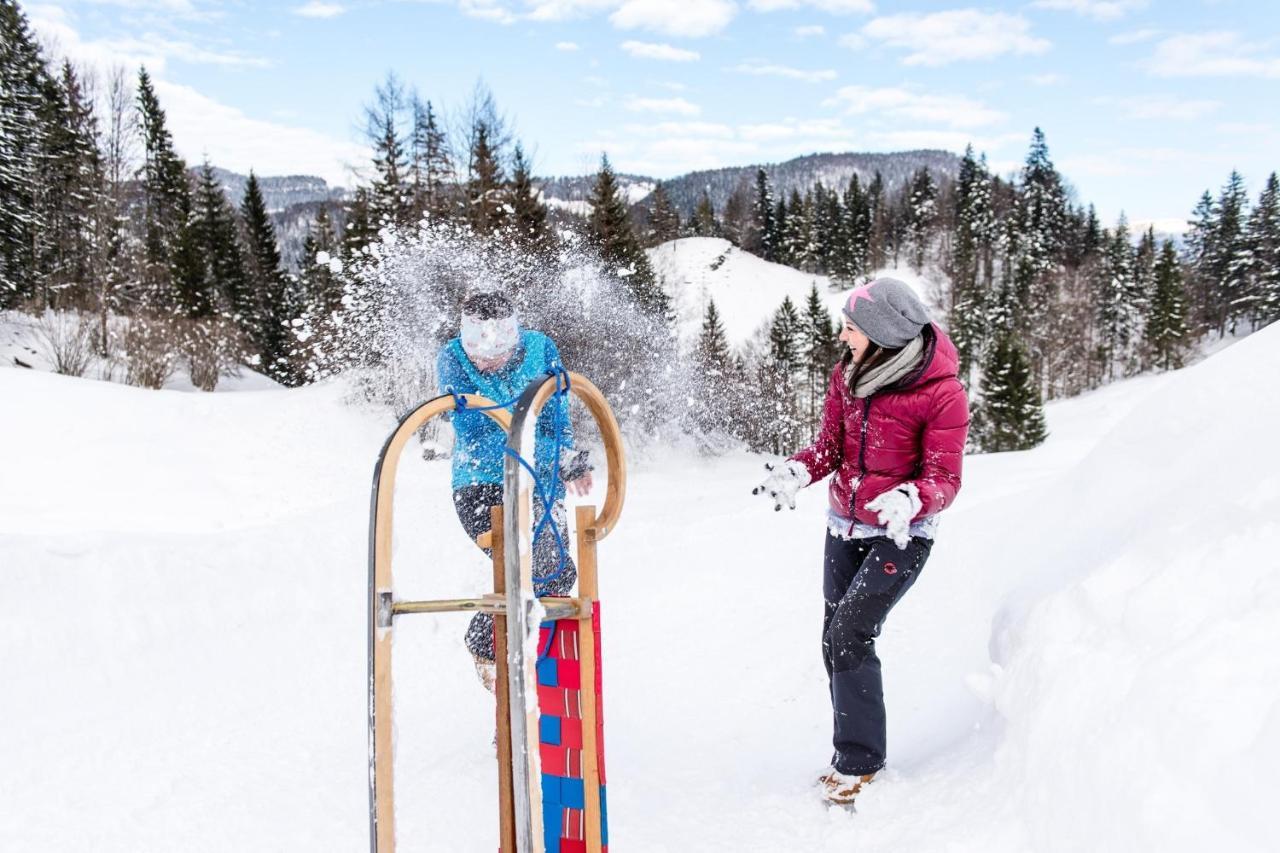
column 1145, row 103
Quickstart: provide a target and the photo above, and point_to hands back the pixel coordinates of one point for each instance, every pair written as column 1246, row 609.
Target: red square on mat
column 568, row 846
column 573, row 764
column 569, row 674
column 572, row 824
column 571, row 733
column 555, row 759
column 572, row 703
column 551, row 701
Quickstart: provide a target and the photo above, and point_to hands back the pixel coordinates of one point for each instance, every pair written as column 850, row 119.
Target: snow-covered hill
column 747, row 289
column 1088, row 661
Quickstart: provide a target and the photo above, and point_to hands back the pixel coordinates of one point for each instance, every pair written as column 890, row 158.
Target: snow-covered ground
column 747, row 289
column 1089, row 661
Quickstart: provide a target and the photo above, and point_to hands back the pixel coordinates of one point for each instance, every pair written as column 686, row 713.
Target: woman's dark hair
column 488, row 305
column 875, row 354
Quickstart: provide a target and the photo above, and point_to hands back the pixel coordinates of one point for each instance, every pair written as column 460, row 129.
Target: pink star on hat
column 863, row 292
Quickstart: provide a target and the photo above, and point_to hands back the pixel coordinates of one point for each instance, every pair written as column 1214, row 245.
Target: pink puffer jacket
column 913, row 431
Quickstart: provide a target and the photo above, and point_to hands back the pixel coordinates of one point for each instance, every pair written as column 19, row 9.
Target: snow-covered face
column 489, row 340
column 852, row 337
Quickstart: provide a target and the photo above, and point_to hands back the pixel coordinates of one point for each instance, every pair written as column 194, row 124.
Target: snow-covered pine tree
column 664, row 219
column 819, row 347
column 1227, row 278
column 1166, row 337
column 169, row 264
column 764, row 226
column 1117, row 317
column 223, row 286
column 881, row 224
column 704, row 223
column 610, row 229
column 272, row 302
column 527, row 214
column 22, row 77
column 429, row 163
column 1010, row 415
column 1198, row 247
column 857, row 223
column 71, row 193
column 972, row 259
column 713, row 362
column 782, row 251
column 737, row 223
column 1259, row 257
column 922, row 215
column 486, row 208
column 391, row 195
column 782, row 423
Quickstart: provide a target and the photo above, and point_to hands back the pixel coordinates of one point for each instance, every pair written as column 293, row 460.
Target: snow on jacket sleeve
column 942, row 443
column 827, row 451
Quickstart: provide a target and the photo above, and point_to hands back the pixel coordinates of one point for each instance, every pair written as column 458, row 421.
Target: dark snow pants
column 472, row 504
column 863, row 580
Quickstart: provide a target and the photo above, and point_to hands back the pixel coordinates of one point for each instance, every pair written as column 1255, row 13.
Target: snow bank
column 1087, row 663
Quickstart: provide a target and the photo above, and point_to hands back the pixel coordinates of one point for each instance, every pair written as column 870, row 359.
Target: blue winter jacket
column 479, row 442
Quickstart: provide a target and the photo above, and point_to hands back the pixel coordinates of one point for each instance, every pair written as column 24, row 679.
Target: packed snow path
column 1087, row 663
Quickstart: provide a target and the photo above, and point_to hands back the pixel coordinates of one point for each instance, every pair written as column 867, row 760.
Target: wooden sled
column 533, row 625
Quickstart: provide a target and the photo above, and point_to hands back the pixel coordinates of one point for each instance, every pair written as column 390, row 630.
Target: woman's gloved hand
column 896, row 508
column 784, row 480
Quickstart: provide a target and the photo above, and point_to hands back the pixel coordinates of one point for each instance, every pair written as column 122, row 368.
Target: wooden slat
column 588, row 588
column 506, row 808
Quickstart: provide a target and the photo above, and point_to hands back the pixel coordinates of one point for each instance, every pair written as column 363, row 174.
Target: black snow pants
column 863, row 580
column 472, row 504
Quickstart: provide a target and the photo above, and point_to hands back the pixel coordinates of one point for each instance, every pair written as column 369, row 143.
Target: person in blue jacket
column 495, row 358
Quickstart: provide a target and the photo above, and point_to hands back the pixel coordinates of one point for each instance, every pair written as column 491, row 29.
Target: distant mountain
column 282, row 192
column 801, row 173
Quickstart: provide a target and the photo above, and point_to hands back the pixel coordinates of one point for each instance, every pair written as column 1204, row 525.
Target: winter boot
column 841, row 790
column 487, row 671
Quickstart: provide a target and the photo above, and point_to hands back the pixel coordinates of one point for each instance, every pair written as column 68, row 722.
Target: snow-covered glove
column 896, row 508
column 574, row 463
column 784, row 480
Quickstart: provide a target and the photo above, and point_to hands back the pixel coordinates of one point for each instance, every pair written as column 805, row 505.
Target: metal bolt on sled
column 551, row 779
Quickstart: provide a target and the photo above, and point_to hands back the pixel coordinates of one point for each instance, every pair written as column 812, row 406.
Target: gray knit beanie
column 887, row 311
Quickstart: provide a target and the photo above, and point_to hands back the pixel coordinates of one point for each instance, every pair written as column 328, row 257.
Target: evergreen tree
column 430, row 165
column 170, row 264
column 1259, row 257
column 360, row 230
column 391, row 197
column 1166, row 335
column 795, row 231
column 1228, row 279
column 819, row 348
column 223, row 286
column 1199, row 247
column 786, row 337
column 273, row 303
column 881, row 224
column 610, row 228
column 22, row 84
column 1010, row 415
column 781, row 229
column 321, row 289
column 922, row 213
column 972, row 260
column 737, row 223
column 714, row 365
column 528, row 215
column 664, row 220
column 762, row 214
column 1119, row 317
column 704, row 218
column 485, row 209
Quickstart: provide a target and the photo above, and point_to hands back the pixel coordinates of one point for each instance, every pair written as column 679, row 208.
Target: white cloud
column 903, row 104
column 852, row 41
column 683, row 18
column 1213, row 54
column 833, row 7
column 1160, row 107
column 52, row 27
column 560, row 10
column 318, row 9
column 1046, row 79
column 1099, row 10
column 678, row 106
column 566, row 46
column 810, row 31
column 906, row 140
column 202, row 126
column 663, row 52
column 760, row 69
column 1134, row 37
column 791, row 130
column 940, row 38
column 488, row 10
column 706, row 129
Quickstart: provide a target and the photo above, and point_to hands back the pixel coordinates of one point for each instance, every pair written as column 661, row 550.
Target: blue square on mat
column 549, row 730
column 572, row 794
column 604, row 819
column 550, row 790
column 548, row 672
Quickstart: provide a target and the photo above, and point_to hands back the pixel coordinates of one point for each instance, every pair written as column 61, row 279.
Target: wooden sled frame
column 520, row 814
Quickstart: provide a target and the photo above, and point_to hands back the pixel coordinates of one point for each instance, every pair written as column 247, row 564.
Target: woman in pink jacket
column 893, row 433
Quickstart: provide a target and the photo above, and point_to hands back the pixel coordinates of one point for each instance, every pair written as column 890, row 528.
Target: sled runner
column 551, row 767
